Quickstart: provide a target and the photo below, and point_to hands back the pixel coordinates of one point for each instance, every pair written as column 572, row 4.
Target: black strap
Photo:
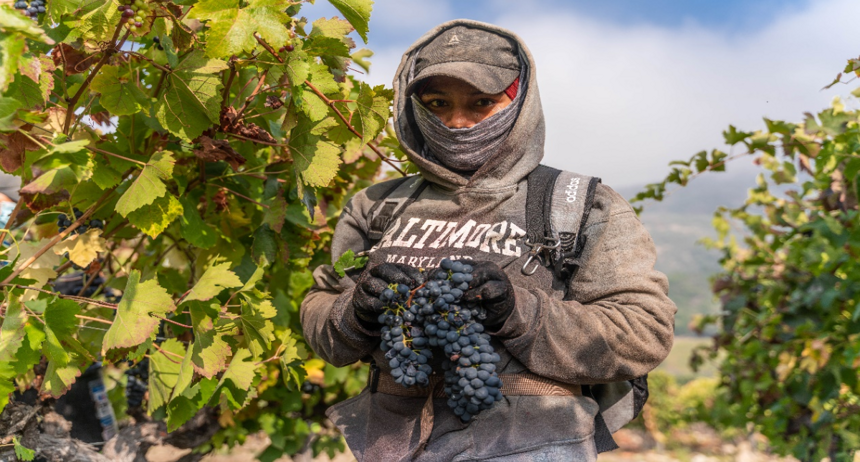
column 541, row 182
column 380, row 221
column 379, row 224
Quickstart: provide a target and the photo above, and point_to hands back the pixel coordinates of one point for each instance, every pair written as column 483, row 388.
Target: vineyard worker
column 468, row 113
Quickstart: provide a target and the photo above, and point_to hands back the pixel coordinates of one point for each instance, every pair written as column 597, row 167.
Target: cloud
column 621, row 101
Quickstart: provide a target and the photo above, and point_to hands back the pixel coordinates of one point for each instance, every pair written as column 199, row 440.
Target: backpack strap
column 539, row 233
column 387, row 208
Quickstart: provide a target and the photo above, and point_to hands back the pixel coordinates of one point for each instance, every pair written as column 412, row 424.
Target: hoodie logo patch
column 454, row 40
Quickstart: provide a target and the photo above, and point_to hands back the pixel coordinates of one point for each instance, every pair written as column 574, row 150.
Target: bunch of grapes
column 134, row 12
column 434, row 315
column 74, row 283
column 64, row 222
column 406, row 349
column 135, row 387
column 32, row 9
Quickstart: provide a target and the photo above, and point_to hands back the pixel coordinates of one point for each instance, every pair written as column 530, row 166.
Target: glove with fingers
column 491, row 288
column 372, row 282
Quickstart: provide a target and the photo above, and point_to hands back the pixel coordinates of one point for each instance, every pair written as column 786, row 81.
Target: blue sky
column 629, row 85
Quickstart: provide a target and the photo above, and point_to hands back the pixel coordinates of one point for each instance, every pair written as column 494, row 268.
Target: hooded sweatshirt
column 612, row 321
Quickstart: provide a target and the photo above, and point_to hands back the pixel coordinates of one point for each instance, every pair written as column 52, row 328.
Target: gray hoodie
column 613, row 321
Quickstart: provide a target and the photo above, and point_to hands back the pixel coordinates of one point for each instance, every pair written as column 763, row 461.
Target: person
column 468, row 114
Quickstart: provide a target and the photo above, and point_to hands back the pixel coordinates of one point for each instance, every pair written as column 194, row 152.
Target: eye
column 436, row 103
column 485, row 102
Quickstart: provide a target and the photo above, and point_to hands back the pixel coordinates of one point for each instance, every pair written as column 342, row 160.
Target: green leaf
column 147, row 187
column 7, row 383
column 60, row 327
column 30, row 352
column 322, row 79
column 12, row 331
column 348, row 261
column 209, row 351
column 183, row 407
column 236, row 383
column 134, row 321
column 256, row 325
column 11, row 48
column 164, row 367
column 321, row 45
column 333, row 27
column 293, row 373
column 14, row 23
column 22, row 452
column 8, row 110
column 28, row 92
column 191, row 101
column 265, row 246
column 104, row 175
column 216, row 278
column 372, row 112
column 316, row 160
column 59, row 378
column 154, row 218
column 193, row 229
column 231, row 28
column 119, row 93
column 357, row 12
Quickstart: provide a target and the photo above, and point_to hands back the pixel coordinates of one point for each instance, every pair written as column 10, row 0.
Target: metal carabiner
column 534, row 253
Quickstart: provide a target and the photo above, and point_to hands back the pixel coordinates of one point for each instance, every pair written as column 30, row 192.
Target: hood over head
column 518, row 154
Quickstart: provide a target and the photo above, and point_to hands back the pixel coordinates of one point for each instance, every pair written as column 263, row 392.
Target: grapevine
column 181, row 169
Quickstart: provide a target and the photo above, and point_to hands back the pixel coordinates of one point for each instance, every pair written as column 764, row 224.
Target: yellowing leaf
column 231, row 29
column 316, row 160
column 154, row 218
column 209, row 351
column 147, row 187
column 256, row 325
column 216, row 278
column 164, row 367
column 236, row 383
column 12, row 330
column 134, row 321
column 82, row 248
column 41, row 270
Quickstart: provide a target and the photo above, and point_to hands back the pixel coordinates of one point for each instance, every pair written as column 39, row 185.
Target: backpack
column 557, row 207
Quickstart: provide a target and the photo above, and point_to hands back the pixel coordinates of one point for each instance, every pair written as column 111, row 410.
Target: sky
column 628, row 86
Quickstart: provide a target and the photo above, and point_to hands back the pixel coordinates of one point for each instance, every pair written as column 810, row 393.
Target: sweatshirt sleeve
column 617, row 321
column 329, row 323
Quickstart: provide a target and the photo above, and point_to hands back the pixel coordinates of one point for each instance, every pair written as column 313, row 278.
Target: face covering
column 466, row 149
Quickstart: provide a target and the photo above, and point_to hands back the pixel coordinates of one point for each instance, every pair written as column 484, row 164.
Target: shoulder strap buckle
column 536, row 252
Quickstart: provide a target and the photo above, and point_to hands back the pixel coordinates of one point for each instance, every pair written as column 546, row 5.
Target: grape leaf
column 164, row 370
column 119, row 93
column 256, row 325
column 322, row 45
column 154, row 218
column 22, row 452
column 322, row 78
column 27, row 91
column 357, row 12
column 12, row 331
column 316, row 159
column 30, row 352
column 59, row 378
column 265, row 246
column 60, row 325
column 231, row 28
column 193, row 229
column 147, row 187
column 373, row 112
column 82, row 248
column 209, row 351
column 40, row 270
column 7, row 383
column 96, row 19
column 104, row 175
column 39, row 69
column 11, row 48
column 293, row 374
column 236, row 383
column 216, row 278
column 191, row 101
column 348, row 261
column 134, row 322
column 334, row 27
column 184, row 406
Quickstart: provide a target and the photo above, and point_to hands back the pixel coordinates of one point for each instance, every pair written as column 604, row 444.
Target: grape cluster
column 406, row 349
column 434, row 315
column 32, row 9
column 288, row 48
column 75, row 283
column 133, row 13
column 64, row 222
column 136, row 386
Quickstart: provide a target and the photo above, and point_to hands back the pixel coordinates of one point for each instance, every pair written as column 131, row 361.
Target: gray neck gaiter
column 466, row 149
